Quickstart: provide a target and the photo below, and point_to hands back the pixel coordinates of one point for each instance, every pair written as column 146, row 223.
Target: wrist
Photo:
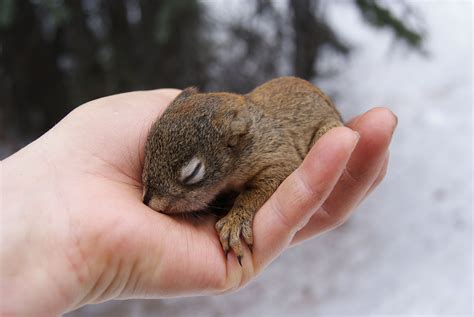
column 33, row 269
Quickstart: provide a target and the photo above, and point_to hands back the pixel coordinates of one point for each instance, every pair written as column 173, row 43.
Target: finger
column 376, row 128
column 302, row 193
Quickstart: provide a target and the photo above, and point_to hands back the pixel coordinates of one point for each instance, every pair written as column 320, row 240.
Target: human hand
column 75, row 230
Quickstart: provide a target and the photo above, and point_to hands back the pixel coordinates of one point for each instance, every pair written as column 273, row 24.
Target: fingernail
column 356, row 135
column 396, row 122
column 396, row 119
column 394, row 116
column 356, row 138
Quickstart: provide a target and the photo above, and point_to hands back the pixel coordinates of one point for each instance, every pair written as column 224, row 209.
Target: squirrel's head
column 191, row 150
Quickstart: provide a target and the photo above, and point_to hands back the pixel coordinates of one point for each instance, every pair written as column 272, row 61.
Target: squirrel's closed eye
column 192, row 172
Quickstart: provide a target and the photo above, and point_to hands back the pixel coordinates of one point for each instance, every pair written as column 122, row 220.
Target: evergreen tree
column 55, row 55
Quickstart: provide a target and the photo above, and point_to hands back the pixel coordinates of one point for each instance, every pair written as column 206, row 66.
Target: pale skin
column 74, row 229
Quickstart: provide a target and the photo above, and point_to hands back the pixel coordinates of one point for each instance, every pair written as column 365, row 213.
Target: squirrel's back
column 292, row 96
column 288, row 116
column 289, row 110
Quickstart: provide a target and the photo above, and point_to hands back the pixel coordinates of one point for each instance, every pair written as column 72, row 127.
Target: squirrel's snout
column 166, row 205
column 157, row 203
column 146, row 197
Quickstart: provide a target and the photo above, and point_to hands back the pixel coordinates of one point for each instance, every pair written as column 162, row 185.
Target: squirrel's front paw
column 231, row 227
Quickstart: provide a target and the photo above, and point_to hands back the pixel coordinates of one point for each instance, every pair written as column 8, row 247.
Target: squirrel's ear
column 186, row 93
column 233, row 123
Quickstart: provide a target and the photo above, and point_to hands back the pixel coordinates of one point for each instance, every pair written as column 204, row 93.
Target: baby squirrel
column 208, row 143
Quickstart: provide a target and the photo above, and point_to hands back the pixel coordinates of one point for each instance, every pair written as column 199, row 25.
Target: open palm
column 100, row 241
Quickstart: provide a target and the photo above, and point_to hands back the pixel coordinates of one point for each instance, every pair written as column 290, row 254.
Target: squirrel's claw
column 230, row 229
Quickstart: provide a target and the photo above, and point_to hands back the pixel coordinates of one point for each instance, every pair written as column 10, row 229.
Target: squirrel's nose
column 146, row 197
column 157, row 203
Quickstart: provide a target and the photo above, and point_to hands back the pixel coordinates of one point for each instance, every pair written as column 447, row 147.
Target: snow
column 408, row 248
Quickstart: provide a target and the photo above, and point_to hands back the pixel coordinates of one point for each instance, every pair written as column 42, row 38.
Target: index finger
column 375, row 128
column 301, row 194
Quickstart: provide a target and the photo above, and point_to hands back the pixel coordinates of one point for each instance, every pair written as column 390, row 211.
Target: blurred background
column 408, row 249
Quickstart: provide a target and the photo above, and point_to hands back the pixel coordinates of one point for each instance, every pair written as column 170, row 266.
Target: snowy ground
column 408, row 249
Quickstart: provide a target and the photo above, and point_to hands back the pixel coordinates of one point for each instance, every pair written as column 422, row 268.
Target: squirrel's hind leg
column 325, row 126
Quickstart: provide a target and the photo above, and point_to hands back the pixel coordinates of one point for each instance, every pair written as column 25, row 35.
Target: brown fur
column 249, row 143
